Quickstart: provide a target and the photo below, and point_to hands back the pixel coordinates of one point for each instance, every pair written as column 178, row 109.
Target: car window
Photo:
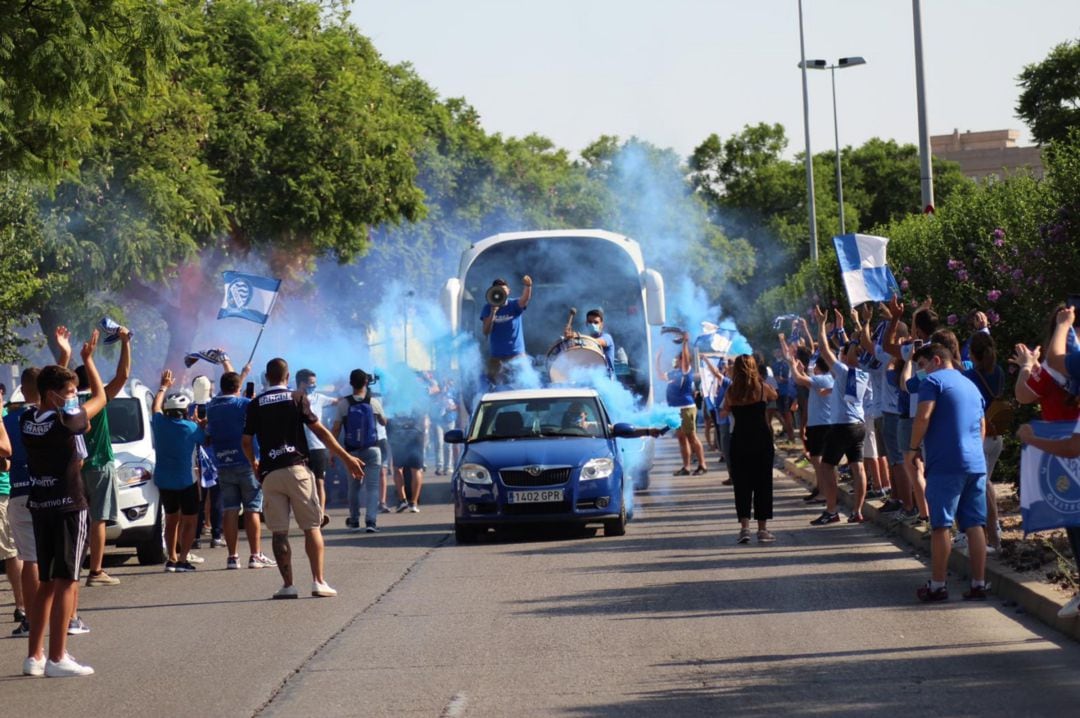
column 555, row 416
column 125, row 420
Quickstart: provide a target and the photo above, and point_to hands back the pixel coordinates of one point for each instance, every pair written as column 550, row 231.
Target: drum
column 568, row 355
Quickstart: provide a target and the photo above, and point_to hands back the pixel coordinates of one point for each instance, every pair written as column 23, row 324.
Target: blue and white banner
column 1049, row 485
column 864, row 269
column 248, row 296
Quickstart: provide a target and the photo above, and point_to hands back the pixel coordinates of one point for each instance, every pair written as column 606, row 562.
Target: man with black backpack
column 356, row 417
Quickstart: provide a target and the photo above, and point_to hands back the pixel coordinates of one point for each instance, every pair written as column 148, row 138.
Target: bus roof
column 477, row 248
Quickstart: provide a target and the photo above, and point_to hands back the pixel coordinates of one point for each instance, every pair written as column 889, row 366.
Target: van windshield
column 125, row 420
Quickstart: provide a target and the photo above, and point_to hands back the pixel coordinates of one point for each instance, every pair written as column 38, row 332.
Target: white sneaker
column 33, row 666
column 192, row 558
column 66, row 667
column 960, row 540
column 414, row 508
column 287, row 592
column 1069, row 610
column 322, row 590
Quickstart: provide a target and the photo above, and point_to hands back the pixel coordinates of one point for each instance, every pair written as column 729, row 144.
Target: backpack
column 359, row 425
column 999, row 412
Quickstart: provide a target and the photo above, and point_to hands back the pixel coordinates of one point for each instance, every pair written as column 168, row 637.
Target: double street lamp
column 840, row 65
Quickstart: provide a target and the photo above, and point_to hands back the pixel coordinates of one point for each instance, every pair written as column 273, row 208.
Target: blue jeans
column 372, row 459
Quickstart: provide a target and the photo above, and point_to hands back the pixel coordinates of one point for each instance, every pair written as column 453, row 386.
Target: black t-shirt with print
column 276, row 418
column 54, row 454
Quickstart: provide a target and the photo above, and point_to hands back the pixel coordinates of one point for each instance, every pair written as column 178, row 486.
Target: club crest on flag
column 238, row 292
column 1049, row 485
column 248, row 296
column 864, row 269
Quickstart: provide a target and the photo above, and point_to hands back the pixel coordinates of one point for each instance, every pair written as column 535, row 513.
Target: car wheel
column 152, row 550
column 464, row 534
column 616, row 527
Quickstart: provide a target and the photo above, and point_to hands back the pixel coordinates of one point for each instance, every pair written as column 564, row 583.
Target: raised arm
column 63, row 341
column 823, row 339
column 1068, row 448
column 715, row 372
column 684, row 356
column 123, row 366
column 159, row 396
column 1026, row 359
column 896, row 311
column 96, row 402
column 526, row 293
column 1055, row 355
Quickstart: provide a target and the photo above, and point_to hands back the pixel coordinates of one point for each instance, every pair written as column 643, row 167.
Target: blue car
column 540, row 456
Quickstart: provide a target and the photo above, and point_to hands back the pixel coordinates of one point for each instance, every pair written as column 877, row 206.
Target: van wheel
column 464, row 534
column 152, row 551
column 616, row 527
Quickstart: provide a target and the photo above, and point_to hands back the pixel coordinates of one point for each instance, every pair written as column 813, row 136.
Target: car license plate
column 540, row 496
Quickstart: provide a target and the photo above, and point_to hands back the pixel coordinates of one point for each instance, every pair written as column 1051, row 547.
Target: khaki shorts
column 7, row 538
column 22, row 528
column 295, row 488
column 688, row 415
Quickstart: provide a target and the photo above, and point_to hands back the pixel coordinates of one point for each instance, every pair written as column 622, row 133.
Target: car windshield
column 125, row 420
column 526, row 419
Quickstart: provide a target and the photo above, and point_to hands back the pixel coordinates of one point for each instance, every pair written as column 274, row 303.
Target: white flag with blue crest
column 1049, row 485
column 248, row 296
column 863, row 267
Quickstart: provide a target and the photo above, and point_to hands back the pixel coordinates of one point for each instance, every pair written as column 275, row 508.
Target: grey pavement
column 672, row 619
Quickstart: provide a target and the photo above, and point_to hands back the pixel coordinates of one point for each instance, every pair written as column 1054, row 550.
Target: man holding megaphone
column 502, row 325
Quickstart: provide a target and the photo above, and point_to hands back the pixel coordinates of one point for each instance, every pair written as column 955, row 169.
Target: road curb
column 1030, row 596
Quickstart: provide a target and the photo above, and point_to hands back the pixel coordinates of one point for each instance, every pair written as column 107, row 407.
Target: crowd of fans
column 894, row 401
column 222, row 461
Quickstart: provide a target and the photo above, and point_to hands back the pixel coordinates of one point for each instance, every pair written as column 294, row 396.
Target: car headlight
column 474, row 474
column 130, row 475
column 598, row 468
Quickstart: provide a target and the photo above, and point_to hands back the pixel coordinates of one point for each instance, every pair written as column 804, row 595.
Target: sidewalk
column 1029, row 595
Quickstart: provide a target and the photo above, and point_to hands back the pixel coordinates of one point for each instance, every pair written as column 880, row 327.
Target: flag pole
column 269, row 310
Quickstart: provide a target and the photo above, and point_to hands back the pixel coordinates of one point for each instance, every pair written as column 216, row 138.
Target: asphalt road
column 672, row 619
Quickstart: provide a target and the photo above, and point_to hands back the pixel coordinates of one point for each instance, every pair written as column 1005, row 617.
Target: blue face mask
column 921, row 374
column 70, row 403
column 309, row 389
column 594, row 329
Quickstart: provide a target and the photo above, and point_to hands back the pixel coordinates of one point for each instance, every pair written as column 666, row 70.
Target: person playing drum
column 502, row 326
column 595, row 321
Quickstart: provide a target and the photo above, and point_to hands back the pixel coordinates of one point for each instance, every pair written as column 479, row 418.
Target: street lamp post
column 840, row 64
column 811, row 207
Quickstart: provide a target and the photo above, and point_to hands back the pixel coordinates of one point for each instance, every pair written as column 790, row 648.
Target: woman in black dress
column 751, row 460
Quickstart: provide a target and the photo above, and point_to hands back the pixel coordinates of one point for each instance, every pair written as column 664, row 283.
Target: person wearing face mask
column 949, row 424
column 355, row 416
column 52, row 434
column 594, row 321
column 225, row 416
column 318, row 454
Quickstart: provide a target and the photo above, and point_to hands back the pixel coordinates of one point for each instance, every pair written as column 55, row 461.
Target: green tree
column 1050, row 93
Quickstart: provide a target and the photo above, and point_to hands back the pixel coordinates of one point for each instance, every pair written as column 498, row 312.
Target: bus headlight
column 474, row 474
column 598, row 468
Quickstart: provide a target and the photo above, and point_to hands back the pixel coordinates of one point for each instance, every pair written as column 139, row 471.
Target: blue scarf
column 111, row 330
column 851, row 389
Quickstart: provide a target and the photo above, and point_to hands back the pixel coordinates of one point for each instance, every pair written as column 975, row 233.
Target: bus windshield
column 581, row 272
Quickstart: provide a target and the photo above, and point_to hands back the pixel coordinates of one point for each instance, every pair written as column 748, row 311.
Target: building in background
column 994, row 152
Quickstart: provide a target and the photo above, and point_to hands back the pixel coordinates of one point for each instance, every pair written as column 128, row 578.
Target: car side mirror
column 624, row 431
column 454, row 436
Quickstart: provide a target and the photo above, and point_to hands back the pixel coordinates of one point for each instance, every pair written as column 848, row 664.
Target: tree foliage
column 1050, row 93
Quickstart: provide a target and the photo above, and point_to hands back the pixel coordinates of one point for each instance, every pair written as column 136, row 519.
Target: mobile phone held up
column 249, row 390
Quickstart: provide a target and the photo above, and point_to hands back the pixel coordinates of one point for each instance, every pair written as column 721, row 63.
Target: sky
column 674, row 71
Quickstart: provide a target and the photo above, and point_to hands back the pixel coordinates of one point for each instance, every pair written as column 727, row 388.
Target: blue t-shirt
column 680, row 388
column 19, row 473
column 953, row 440
column 225, row 416
column 506, row 339
column 718, row 398
column 175, row 441
column 609, row 349
column 785, row 386
column 847, row 406
column 818, row 407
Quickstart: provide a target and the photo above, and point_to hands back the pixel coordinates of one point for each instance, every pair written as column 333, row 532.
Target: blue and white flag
column 111, row 329
column 214, row 356
column 866, row 274
column 248, row 296
column 1049, row 485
